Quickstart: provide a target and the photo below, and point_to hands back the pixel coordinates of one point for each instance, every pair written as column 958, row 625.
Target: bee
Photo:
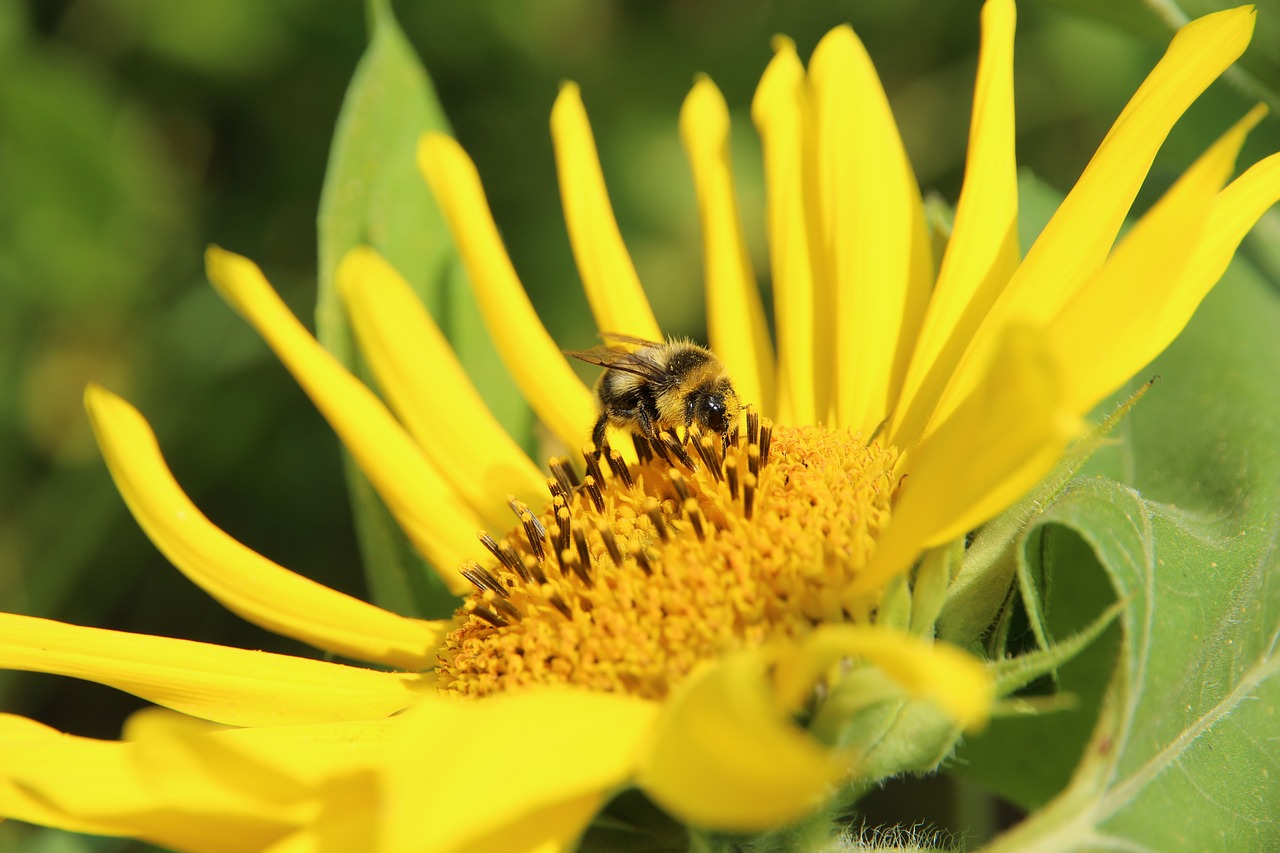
column 658, row 386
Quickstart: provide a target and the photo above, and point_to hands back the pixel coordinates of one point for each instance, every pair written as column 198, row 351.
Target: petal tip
column 356, row 266
column 782, row 44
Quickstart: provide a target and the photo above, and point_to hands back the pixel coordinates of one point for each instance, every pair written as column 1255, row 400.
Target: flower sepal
column 790, row 736
column 893, row 735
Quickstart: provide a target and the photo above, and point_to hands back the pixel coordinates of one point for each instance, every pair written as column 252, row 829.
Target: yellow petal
column 726, row 755
column 613, row 288
column 245, row 582
column 879, row 257
column 226, row 685
column 956, row 681
column 735, row 316
column 1002, row 440
column 534, row 361
column 547, row 761
column 783, row 116
column 1095, row 336
column 983, row 252
column 31, row 753
column 1076, row 241
column 235, row 790
column 399, row 782
column 415, row 492
column 1235, row 211
column 431, row 392
column 280, row 762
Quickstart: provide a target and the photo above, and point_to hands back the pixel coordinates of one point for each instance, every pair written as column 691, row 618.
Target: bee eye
column 713, row 416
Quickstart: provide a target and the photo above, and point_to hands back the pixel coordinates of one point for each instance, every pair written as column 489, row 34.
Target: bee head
column 713, row 407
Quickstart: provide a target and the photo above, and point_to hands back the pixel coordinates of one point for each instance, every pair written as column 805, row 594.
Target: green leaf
column 1257, row 74
column 371, row 195
column 1182, row 754
column 374, row 195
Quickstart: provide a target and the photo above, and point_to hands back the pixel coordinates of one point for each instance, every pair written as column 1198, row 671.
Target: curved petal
column 782, row 114
column 236, row 790
column 419, row 498
column 28, row 748
column 613, row 288
column 1002, row 440
column 699, row 769
column 431, row 392
column 561, row 752
column 983, row 252
column 226, row 685
column 244, row 581
column 735, row 316
column 878, row 252
column 83, row 785
column 545, row 378
column 337, row 786
column 1077, row 239
column 1235, row 211
column 956, row 681
column 1095, row 335
column 273, row 762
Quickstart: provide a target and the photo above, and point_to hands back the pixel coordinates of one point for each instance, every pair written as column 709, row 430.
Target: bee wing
column 637, row 363
column 619, row 338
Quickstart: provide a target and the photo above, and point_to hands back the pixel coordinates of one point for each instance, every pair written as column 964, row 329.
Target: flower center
column 636, row 572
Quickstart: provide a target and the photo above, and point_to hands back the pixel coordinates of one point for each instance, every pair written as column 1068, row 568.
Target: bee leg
column 646, row 423
column 597, row 433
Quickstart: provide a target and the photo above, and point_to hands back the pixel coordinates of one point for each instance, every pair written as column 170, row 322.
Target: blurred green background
column 135, row 132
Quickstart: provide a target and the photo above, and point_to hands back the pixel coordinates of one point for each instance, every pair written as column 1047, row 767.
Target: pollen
column 633, row 573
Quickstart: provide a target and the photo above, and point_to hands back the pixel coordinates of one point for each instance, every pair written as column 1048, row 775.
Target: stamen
column 592, row 458
column 659, row 449
column 766, row 438
column 644, row 451
column 556, row 488
column 731, row 476
column 695, row 516
column 502, row 552
column 675, row 448
column 753, row 459
column 559, row 604
column 580, row 540
column 642, row 560
column 753, row 427
column 569, row 560
column 508, row 610
column 679, row 484
column 483, row 579
column 564, row 472
column 710, row 454
column 610, row 543
column 487, row 615
column 620, row 469
column 535, row 533
column 562, row 533
column 533, row 568
column 748, row 495
column 654, row 511
column 592, row 484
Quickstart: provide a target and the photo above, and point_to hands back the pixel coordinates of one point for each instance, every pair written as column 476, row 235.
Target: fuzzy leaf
column 1183, row 526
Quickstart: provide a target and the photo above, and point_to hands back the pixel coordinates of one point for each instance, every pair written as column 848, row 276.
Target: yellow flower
column 664, row 619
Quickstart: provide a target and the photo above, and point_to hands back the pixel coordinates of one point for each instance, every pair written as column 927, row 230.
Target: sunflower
column 713, row 619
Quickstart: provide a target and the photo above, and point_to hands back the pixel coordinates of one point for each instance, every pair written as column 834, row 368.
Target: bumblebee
column 649, row 386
